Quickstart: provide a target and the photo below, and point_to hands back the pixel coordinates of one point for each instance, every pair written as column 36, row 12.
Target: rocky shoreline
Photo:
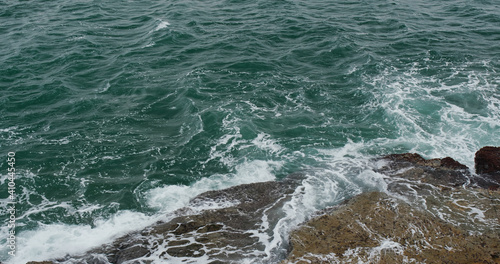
column 434, row 211
column 431, row 211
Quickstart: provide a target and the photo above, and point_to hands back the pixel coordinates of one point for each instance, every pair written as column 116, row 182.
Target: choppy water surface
column 122, row 111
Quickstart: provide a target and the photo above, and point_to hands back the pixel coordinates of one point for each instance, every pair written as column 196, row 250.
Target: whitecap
column 104, row 88
column 150, row 44
column 161, row 25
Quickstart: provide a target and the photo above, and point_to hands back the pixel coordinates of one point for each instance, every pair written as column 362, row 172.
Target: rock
column 412, row 166
column 131, row 252
column 377, row 228
column 430, row 214
column 416, row 160
column 450, row 163
column 442, row 172
column 487, row 162
column 223, row 235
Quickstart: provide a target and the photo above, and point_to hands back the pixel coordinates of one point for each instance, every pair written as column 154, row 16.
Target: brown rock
column 487, row 161
column 376, row 228
column 193, row 250
column 411, row 166
column 130, row 252
column 424, row 218
column 406, row 157
column 452, row 164
column 414, row 159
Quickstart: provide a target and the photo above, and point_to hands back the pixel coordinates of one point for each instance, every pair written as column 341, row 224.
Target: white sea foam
column 429, row 118
column 9, row 129
column 75, row 38
column 57, row 240
column 105, row 88
column 161, row 25
column 173, row 197
column 45, row 205
column 385, row 244
column 346, row 173
column 9, row 133
column 150, row 44
column 264, row 142
column 19, row 174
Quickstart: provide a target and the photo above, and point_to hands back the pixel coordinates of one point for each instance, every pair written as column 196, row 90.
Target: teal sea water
column 119, row 112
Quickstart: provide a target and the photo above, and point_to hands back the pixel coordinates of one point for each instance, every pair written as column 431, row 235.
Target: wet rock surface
column 412, row 166
column 377, row 228
column 442, row 172
column 487, row 163
column 223, row 235
column 434, row 211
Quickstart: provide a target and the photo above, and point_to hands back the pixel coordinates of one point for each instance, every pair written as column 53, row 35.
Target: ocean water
column 120, row 112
